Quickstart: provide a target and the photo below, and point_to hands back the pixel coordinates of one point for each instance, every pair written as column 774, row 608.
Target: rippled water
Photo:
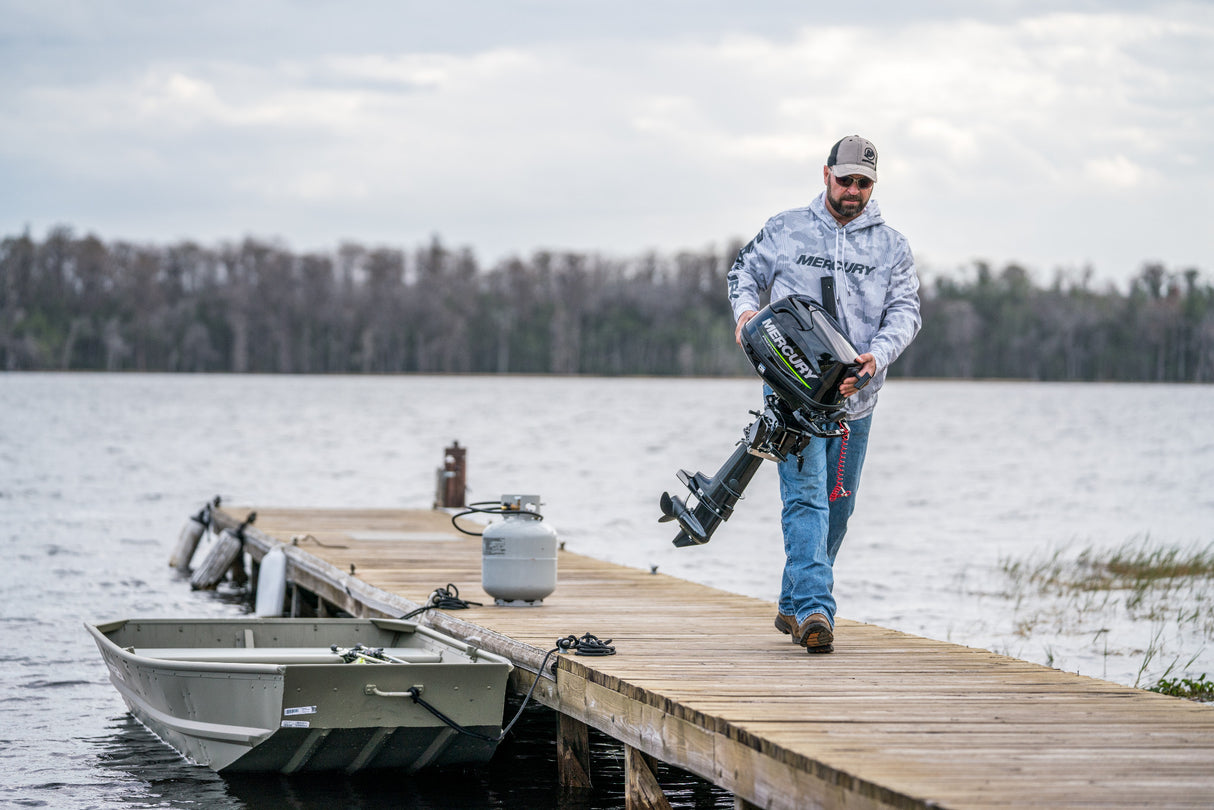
column 98, row 472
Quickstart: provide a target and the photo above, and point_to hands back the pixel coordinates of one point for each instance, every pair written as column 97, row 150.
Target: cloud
column 1117, row 172
column 587, row 134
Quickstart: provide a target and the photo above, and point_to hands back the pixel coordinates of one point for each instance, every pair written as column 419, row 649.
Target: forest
column 71, row 302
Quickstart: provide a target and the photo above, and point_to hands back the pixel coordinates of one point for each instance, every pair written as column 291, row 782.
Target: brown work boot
column 814, row 634
column 785, row 623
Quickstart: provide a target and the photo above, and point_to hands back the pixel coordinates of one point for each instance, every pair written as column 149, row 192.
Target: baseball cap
column 853, row 155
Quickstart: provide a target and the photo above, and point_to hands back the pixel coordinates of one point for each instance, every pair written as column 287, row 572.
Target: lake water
column 98, row 473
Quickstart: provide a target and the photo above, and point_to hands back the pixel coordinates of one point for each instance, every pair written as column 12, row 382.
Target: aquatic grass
column 1132, row 567
column 1153, row 583
column 1118, row 594
column 1153, row 649
column 1200, row 688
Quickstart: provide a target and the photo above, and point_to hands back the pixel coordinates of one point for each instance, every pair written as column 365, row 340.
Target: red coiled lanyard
column 839, row 492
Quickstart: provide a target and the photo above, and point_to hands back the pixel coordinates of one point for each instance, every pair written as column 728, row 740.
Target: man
column 840, row 236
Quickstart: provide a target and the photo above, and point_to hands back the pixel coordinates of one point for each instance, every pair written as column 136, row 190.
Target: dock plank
column 703, row 681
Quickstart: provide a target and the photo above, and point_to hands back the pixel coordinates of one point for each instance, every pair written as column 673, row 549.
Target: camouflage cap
column 853, row 155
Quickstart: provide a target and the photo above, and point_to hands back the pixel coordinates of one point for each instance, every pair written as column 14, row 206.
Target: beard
column 848, row 205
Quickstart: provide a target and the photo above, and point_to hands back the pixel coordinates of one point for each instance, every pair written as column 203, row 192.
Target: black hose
column 475, row 508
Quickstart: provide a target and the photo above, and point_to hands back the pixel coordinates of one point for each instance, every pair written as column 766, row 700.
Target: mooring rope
column 586, row 645
column 443, row 599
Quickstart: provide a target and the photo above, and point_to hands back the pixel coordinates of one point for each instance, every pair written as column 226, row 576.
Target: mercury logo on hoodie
column 829, row 263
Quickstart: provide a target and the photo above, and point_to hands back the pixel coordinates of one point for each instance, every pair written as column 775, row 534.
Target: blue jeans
column 813, row 525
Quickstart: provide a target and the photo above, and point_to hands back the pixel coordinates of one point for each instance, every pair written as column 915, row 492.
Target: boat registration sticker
column 295, row 724
column 294, row 710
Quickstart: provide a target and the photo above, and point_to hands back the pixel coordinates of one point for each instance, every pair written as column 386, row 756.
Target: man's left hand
column 868, row 365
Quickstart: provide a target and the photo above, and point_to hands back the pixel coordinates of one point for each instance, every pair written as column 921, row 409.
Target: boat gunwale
column 108, row 645
column 471, row 654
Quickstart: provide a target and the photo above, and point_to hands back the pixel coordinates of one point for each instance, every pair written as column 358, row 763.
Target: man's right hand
column 742, row 319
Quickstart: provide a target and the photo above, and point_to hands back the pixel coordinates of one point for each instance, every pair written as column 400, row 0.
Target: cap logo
column 853, row 155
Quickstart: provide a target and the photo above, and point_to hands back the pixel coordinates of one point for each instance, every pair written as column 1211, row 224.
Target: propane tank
column 518, row 560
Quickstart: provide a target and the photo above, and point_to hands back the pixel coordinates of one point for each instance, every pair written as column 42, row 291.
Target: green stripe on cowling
column 767, row 340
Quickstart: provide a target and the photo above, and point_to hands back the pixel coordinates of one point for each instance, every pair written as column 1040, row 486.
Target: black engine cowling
column 802, row 353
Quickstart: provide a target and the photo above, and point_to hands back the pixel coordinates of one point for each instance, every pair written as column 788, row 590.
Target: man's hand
column 868, row 365
column 742, row 319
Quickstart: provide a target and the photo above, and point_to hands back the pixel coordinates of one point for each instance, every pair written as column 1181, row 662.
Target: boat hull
column 258, row 695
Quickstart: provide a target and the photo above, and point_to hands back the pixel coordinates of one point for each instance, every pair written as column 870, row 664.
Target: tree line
column 78, row 303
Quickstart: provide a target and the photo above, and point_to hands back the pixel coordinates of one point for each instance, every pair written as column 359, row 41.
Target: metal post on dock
column 452, row 478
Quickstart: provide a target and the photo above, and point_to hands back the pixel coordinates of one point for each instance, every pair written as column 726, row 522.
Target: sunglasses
column 846, row 182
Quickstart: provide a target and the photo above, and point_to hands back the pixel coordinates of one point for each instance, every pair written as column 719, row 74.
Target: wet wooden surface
column 703, row 681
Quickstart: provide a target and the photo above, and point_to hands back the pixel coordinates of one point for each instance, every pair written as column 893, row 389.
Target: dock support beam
column 641, row 791
column 572, row 753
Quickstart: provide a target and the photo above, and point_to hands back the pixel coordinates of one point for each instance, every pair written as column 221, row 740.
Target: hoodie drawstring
column 840, row 251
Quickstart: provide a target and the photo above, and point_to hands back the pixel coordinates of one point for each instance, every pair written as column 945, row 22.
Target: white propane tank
column 518, row 559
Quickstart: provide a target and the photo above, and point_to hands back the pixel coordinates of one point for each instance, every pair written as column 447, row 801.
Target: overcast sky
column 1054, row 134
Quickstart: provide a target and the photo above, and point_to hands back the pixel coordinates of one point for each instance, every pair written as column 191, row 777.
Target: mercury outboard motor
column 802, row 354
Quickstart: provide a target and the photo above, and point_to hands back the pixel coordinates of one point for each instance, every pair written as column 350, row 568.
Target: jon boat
column 255, row 694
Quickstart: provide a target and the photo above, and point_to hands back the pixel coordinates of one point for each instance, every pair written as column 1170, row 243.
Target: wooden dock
column 701, row 680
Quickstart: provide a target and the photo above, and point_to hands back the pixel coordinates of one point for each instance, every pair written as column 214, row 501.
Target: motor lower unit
column 518, row 560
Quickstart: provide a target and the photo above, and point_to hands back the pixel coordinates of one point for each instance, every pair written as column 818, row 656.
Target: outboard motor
column 802, row 354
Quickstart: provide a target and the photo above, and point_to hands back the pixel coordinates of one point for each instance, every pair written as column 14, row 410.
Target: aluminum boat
column 293, row 695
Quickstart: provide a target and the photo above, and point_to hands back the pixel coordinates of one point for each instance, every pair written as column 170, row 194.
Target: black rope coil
column 586, row 645
column 443, row 599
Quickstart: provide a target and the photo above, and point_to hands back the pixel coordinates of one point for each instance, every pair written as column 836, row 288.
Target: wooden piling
column 452, row 478
column 573, row 754
column 642, row 791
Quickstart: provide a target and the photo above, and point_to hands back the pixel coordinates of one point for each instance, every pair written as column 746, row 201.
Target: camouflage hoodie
column 876, row 287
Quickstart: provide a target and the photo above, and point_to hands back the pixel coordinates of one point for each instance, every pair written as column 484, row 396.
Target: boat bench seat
column 275, row 655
